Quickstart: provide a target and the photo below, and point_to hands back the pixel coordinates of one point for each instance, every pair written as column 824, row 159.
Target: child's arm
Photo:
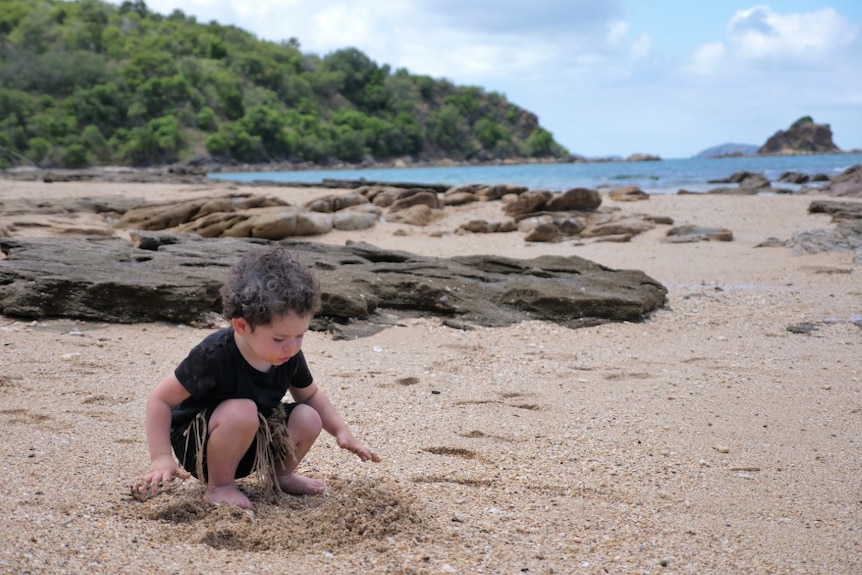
column 332, row 421
column 163, row 466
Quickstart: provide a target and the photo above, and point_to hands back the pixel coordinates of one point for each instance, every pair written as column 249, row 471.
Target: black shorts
column 186, row 450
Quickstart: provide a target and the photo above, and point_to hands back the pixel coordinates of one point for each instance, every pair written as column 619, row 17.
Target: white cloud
column 759, row 39
column 758, row 33
column 641, row 47
column 707, row 59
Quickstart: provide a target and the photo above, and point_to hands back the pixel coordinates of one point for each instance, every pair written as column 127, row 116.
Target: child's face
column 278, row 341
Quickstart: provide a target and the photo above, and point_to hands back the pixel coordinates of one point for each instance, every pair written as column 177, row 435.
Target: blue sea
column 659, row 177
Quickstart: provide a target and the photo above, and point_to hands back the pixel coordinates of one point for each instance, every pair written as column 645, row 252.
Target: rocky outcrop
column 804, row 136
column 541, row 215
column 176, row 278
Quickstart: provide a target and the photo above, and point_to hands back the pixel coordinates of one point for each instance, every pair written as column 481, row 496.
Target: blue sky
column 606, row 77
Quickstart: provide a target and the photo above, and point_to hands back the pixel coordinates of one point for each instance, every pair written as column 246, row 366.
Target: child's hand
column 348, row 442
column 162, row 471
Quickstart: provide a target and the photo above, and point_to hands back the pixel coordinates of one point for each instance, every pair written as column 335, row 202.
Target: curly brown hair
column 266, row 283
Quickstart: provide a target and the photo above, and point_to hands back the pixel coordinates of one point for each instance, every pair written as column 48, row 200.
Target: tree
column 129, row 85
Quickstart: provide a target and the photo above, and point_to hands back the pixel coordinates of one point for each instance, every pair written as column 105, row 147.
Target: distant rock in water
column 729, row 149
column 804, row 136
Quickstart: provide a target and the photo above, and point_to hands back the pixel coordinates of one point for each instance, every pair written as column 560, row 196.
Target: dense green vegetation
column 91, row 83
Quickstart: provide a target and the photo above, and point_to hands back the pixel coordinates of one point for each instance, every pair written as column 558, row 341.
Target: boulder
column 416, row 198
column 351, row 221
column 527, row 203
column 574, row 199
column 847, row 184
column 417, row 215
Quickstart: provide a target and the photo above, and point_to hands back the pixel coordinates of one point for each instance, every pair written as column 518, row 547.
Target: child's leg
column 232, row 428
column 303, row 425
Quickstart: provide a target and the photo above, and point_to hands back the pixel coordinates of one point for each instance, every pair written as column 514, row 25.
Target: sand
column 707, row 439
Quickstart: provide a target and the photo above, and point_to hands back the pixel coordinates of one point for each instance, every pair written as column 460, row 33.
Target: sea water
column 655, row 177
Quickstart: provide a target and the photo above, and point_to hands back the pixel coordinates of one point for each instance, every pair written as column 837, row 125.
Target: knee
column 237, row 415
column 304, row 423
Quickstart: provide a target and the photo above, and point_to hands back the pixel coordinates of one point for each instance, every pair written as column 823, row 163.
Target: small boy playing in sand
column 221, row 410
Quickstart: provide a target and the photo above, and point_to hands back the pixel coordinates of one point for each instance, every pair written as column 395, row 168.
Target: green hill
column 91, row 83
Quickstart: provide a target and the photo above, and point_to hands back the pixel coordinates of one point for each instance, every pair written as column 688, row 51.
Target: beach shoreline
column 716, row 436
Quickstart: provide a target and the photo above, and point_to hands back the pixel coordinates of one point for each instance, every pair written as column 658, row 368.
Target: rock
column 643, row 158
column 487, row 192
column 734, row 178
column 771, row 242
column 88, row 204
column 805, row 327
column 415, row 198
column 627, row 226
column 527, row 203
column 662, row 220
column 496, row 192
column 459, row 198
column 272, row 223
column 682, row 234
column 351, row 221
column 749, row 184
column 794, row 178
column 803, row 136
column 383, row 196
column 164, row 215
column 840, row 211
column 178, row 280
column 540, row 229
column 486, row 227
column 574, row 199
column 847, row 184
column 336, row 203
column 550, row 226
column 418, row 215
column 628, row 194
column 844, row 237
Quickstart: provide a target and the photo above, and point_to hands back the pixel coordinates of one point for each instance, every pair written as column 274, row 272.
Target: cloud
column 537, row 18
column 759, row 39
column 758, row 33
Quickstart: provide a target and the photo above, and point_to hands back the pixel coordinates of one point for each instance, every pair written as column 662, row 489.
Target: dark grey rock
column 177, row 279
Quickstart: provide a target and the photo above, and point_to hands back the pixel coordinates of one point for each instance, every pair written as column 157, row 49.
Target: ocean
column 659, row 177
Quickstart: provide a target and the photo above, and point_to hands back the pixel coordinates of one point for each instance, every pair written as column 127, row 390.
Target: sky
column 605, row 77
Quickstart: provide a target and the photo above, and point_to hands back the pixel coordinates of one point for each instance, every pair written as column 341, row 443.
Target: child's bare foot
column 227, row 495
column 299, row 485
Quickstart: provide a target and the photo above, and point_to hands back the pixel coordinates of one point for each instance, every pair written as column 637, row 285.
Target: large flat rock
column 176, row 278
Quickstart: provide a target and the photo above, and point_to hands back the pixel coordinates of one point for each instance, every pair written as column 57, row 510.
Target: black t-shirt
column 215, row 370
